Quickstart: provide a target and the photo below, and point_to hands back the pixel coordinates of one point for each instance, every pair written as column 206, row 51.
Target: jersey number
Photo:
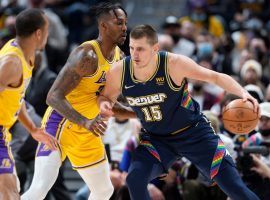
column 152, row 113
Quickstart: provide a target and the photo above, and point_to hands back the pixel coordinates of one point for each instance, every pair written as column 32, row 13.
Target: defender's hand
column 106, row 109
column 40, row 135
column 97, row 126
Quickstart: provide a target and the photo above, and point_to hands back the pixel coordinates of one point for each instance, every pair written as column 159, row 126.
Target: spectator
column 56, row 49
column 251, row 73
column 181, row 45
column 202, row 19
column 263, row 125
column 255, row 91
column 165, row 42
column 260, row 167
column 117, row 134
column 267, row 94
column 172, row 28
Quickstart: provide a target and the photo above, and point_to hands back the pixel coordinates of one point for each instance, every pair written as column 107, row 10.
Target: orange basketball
column 239, row 118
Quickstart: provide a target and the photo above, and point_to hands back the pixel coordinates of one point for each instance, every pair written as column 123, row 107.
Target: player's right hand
column 40, row 135
column 97, row 126
column 246, row 96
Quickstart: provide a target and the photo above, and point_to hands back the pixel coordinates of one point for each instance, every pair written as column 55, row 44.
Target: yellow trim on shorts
column 90, row 165
column 60, row 128
column 57, row 136
column 47, row 118
column 180, row 130
column 10, row 153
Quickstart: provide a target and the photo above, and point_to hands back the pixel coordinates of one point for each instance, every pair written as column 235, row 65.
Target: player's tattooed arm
column 121, row 111
column 81, row 62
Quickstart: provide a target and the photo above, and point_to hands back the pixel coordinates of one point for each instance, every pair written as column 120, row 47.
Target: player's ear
column 156, row 47
column 103, row 25
column 38, row 34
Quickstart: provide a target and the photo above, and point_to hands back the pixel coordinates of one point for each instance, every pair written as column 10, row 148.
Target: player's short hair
column 104, row 8
column 145, row 30
column 28, row 21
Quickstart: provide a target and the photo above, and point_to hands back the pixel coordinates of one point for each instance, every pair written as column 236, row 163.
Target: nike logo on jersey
column 127, row 87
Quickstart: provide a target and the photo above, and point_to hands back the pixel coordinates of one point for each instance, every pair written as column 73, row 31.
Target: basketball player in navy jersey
column 155, row 86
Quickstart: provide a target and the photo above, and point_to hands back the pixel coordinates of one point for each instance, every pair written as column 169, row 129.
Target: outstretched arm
column 38, row 134
column 81, row 62
column 182, row 66
column 11, row 76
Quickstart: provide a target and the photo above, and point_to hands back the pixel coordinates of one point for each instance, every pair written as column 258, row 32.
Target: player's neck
column 27, row 48
column 106, row 47
column 144, row 73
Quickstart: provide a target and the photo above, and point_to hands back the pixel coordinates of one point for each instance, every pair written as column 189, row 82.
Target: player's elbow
column 51, row 97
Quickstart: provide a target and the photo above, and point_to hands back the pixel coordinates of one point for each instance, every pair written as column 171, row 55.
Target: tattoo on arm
column 123, row 111
column 82, row 62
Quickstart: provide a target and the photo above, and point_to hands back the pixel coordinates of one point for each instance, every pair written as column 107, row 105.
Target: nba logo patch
column 6, row 164
column 43, row 150
column 160, row 80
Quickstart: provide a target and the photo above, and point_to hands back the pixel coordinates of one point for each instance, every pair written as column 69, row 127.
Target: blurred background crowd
column 229, row 36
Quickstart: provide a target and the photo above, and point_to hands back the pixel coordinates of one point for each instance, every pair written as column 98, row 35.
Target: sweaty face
column 141, row 51
column 116, row 24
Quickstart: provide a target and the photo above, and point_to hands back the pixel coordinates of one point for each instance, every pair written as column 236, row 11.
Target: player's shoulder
column 84, row 58
column 87, row 49
column 174, row 58
column 117, row 66
column 10, row 62
column 116, row 69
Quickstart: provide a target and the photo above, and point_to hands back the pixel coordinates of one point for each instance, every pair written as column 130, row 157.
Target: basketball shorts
column 82, row 147
column 199, row 144
column 7, row 162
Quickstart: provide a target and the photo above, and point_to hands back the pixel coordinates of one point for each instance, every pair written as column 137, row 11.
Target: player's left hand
column 40, row 135
column 106, row 109
column 247, row 97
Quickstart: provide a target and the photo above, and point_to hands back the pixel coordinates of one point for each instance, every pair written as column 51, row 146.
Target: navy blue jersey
column 162, row 107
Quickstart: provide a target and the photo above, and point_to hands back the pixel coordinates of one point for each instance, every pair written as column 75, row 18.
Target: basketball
column 239, row 118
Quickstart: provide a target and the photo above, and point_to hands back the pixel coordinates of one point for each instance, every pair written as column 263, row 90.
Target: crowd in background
column 229, row 36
